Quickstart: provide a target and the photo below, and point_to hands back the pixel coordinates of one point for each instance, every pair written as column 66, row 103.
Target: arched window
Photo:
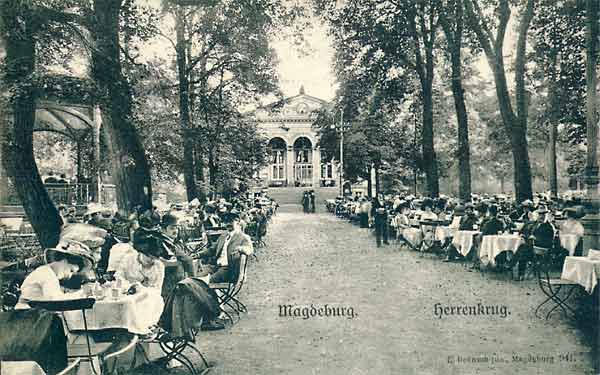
column 277, row 153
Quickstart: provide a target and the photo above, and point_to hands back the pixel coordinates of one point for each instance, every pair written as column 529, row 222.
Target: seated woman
column 428, row 230
column 63, row 261
column 140, row 267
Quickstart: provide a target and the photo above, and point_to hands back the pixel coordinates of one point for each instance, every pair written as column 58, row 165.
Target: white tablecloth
column 569, row 242
column 442, row 232
column 413, row 236
column 127, row 311
column 20, row 368
column 583, row 271
column 463, row 240
column 492, row 245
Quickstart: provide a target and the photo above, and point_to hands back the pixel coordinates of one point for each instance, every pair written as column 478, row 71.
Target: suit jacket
column 492, row 225
column 230, row 272
column 467, row 222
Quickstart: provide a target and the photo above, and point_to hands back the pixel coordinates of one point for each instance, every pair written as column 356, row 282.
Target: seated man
column 538, row 233
column 492, row 225
column 225, row 255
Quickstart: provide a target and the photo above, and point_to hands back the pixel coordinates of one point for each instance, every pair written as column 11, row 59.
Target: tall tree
column 19, row 24
column 515, row 121
column 129, row 165
column 451, row 20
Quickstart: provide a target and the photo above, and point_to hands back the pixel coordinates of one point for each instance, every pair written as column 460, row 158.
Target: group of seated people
column 418, row 223
column 90, row 253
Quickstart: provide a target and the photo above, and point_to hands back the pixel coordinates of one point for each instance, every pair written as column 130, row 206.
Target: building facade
column 294, row 155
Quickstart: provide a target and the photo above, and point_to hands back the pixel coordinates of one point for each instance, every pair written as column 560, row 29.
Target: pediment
column 296, row 107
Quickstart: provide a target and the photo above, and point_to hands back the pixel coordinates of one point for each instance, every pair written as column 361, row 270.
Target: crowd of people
column 104, row 248
column 429, row 225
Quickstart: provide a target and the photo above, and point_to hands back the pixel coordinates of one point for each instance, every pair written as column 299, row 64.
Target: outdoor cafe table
column 20, row 368
column 492, row 245
column 583, row 271
column 569, row 241
column 463, row 241
column 414, row 236
column 121, row 312
column 442, row 232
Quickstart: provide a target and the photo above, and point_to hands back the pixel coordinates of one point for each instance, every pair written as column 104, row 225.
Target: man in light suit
column 226, row 253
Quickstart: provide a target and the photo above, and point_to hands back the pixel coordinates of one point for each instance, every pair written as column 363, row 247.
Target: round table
column 463, row 241
column 492, row 245
column 413, row 236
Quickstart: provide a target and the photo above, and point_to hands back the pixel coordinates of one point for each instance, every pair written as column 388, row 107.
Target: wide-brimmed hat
column 149, row 220
column 87, row 234
column 73, row 248
column 94, row 208
column 168, row 219
column 152, row 243
column 527, row 203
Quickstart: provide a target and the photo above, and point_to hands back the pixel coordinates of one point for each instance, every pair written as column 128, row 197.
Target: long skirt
column 364, row 220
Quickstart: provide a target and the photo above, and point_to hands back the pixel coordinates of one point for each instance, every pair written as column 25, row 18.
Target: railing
column 69, row 194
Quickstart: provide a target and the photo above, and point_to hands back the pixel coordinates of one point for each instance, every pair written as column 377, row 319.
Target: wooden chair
column 228, row 291
column 552, row 286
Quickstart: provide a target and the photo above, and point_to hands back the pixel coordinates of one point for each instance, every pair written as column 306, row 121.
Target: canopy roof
column 72, row 120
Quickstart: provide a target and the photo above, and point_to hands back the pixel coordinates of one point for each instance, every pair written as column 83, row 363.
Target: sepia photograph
column 302, row 187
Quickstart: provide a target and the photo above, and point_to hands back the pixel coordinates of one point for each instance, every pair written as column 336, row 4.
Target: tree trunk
column 184, row 107
column 18, row 119
column 212, row 169
column 129, row 165
column 591, row 221
column 377, row 182
column 370, row 183
column 454, row 37
column 515, row 124
column 429, row 157
column 553, row 123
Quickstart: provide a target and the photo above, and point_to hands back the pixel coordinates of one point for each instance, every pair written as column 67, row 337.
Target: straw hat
column 89, row 235
column 94, row 208
column 74, row 248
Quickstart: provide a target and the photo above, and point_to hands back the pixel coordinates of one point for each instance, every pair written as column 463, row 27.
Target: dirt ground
column 317, row 260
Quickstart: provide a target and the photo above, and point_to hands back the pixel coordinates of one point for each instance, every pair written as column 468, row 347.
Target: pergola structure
column 73, row 120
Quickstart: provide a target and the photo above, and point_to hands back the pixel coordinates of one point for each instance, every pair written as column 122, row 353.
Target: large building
column 294, row 155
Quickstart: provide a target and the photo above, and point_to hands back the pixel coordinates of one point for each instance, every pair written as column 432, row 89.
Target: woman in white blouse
column 140, row 267
column 63, row 261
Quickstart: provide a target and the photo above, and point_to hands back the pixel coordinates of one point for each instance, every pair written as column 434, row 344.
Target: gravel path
column 320, row 260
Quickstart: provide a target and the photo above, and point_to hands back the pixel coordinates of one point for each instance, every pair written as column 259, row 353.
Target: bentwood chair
column 557, row 290
column 174, row 339
column 228, row 291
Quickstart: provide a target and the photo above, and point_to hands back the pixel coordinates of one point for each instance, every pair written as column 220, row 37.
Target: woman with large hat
column 62, row 262
column 141, row 268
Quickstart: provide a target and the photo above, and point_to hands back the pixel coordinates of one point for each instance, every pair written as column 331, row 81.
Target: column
column 316, row 163
column 95, row 177
column 289, row 172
